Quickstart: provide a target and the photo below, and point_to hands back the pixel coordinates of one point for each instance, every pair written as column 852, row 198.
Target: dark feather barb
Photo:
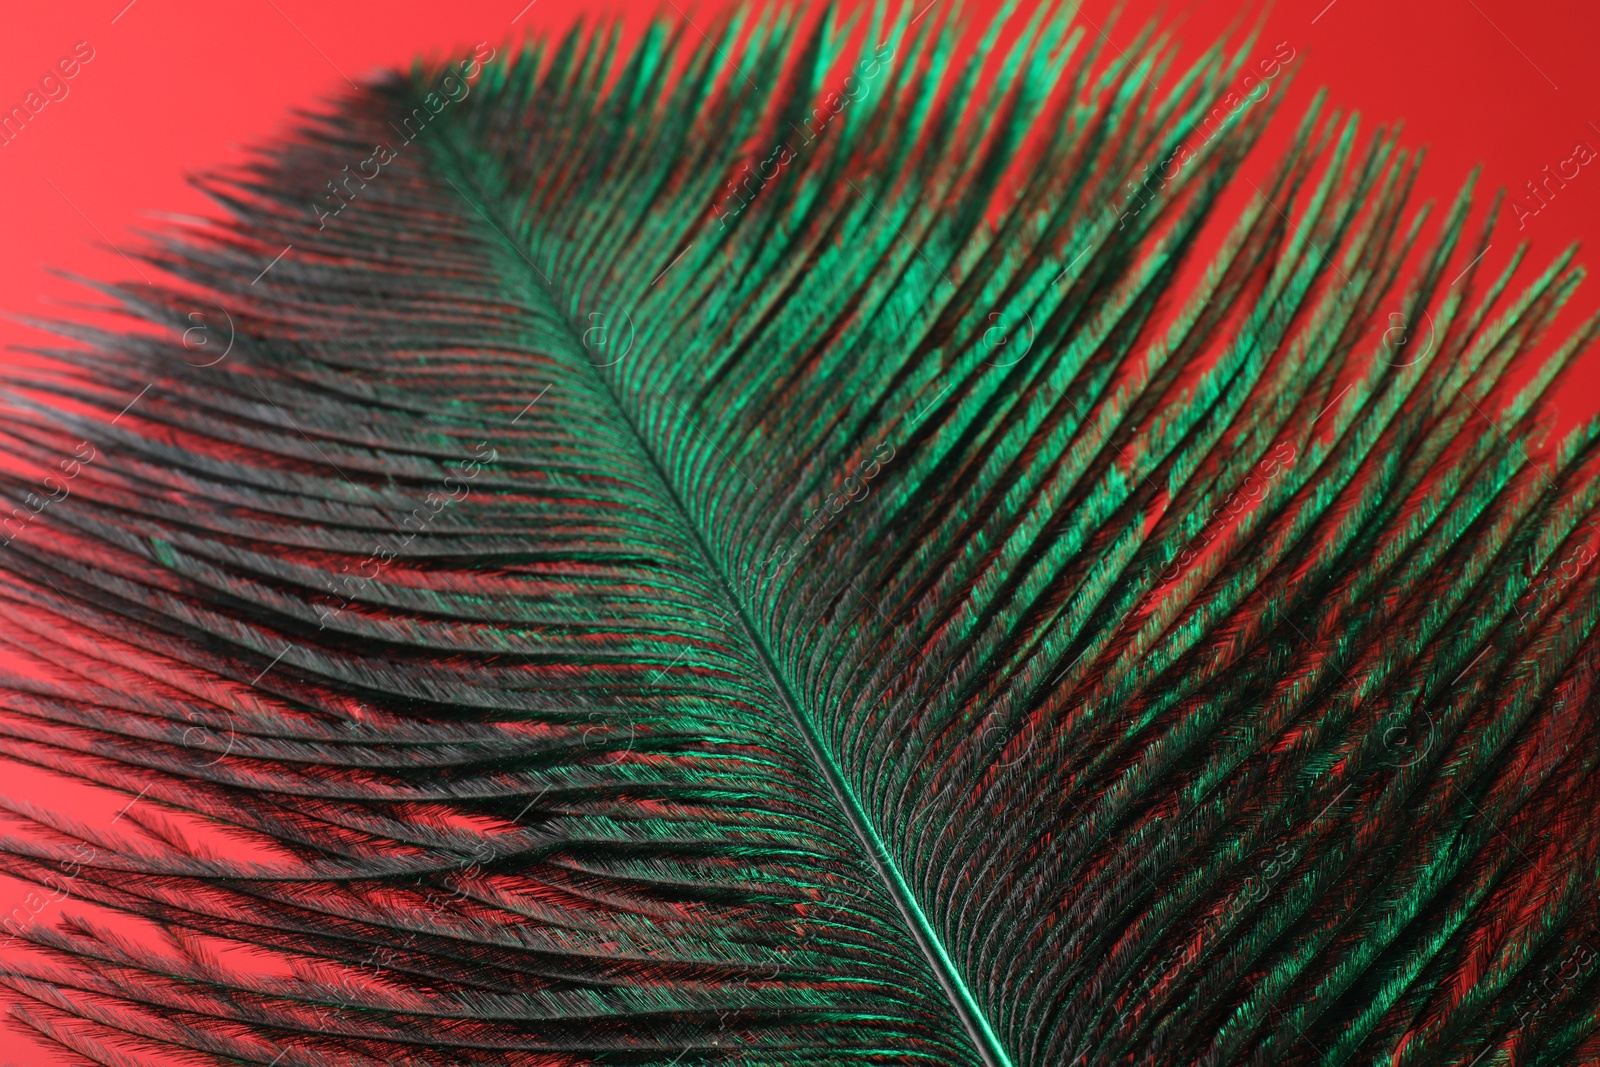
column 763, row 551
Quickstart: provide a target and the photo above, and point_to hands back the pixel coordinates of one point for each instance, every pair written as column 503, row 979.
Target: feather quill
column 687, row 559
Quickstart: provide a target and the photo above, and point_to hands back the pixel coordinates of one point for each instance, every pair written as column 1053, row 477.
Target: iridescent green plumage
column 752, row 550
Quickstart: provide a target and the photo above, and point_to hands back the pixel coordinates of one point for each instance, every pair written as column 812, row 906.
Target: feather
column 781, row 548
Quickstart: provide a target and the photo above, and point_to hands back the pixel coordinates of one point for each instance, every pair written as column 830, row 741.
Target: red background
column 178, row 86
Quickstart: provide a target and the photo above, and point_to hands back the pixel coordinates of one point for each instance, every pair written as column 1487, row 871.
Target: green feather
column 765, row 546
